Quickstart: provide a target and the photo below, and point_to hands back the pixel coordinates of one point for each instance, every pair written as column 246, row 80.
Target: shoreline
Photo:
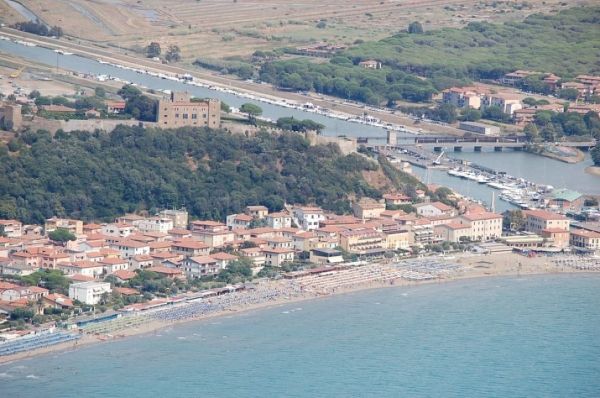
column 154, row 326
column 577, row 157
column 593, row 170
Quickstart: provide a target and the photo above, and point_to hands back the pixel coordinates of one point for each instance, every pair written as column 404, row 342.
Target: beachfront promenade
column 309, row 285
column 33, row 342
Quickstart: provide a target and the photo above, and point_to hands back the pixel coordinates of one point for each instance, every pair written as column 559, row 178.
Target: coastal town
column 326, row 198
column 68, row 279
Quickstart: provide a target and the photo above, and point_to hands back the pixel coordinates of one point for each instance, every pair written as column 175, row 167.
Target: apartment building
column 363, row 241
column 308, row 218
column 483, row 226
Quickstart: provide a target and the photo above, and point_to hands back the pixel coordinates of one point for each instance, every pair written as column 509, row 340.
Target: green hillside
column 211, row 172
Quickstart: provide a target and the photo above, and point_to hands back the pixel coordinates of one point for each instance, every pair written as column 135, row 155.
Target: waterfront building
column 277, row 257
column 197, row 267
column 179, row 110
column 479, row 128
column 538, row 220
column 566, row 199
column 483, row 226
column 363, row 241
column 421, row 230
column 397, row 238
column 452, row 232
column 523, row 241
column 585, row 240
column 326, row 256
column 89, row 292
column 553, row 227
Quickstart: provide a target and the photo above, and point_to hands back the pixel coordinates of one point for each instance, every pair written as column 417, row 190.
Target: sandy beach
column 471, row 266
column 593, row 170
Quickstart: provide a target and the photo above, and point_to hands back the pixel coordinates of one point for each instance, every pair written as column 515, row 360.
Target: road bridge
column 478, row 143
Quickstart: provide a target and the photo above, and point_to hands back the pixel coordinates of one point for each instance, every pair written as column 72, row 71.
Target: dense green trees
column 61, row 235
column 415, row 27
column 137, row 105
column 153, row 50
column 39, row 28
column 292, row 124
column 449, row 56
column 51, row 279
column 173, row 53
column 343, row 78
column 554, row 125
column 92, row 175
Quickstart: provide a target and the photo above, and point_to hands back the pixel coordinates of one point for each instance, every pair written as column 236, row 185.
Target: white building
column 279, row 220
column 308, row 218
column 130, row 248
column 238, row 221
column 117, row 229
column 154, row 224
column 89, row 292
column 434, row 209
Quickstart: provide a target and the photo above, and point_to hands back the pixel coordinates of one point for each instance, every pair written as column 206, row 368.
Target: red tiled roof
column 223, row 256
column 124, row 274
column 84, row 264
column 81, row 278
column 165, row 270
column 481, row 216
column 126, row 291
column 544, row 215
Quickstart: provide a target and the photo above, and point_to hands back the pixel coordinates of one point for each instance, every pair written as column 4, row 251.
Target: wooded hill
column 97, row 176
column 416, row 65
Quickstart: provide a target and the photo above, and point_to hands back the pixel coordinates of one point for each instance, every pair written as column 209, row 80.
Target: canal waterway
column 333, row 126
column 538, row 169
column 531, row 167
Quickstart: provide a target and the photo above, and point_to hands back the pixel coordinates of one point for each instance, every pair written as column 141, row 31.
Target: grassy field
column 219, row 29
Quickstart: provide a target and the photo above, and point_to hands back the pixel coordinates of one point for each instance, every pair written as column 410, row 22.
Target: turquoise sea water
column 498, row 337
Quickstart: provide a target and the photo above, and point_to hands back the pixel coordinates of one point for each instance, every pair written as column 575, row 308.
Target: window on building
column 194, row 116
column 177, row 115
column 185, row 115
